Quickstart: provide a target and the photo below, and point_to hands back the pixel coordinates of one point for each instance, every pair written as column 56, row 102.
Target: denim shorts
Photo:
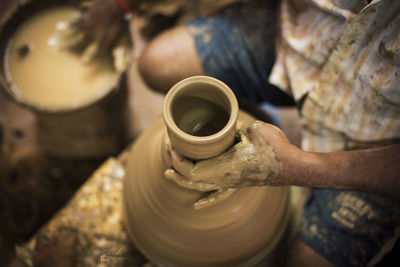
column 237, row 46
column 350, row 228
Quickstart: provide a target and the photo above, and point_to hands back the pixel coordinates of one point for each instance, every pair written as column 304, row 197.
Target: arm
column 374, row 171
column 266, row 157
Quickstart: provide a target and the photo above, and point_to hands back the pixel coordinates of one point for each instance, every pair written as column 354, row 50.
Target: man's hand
column 255, row 160
column 98, row 30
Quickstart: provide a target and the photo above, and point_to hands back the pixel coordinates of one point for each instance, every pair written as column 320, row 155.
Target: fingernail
column 205, row 202
column 201, row 204
column 169, row 173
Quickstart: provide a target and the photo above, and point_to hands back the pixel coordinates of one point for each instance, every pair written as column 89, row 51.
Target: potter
column 48, row 77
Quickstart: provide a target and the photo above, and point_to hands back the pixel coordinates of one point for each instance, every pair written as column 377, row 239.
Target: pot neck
column 200, row 113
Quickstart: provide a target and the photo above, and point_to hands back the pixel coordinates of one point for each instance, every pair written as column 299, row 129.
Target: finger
column 121, row 58
column 214, row 198
column 111, row 37
column 254, row 133
column 68, row 36
column 90, row 53
column 243, row 138
column 252, row 128
column 182, row 165
column 183, row 182
column 77, row 42
column 167, row 143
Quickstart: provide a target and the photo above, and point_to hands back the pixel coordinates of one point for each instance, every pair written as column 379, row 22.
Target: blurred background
column 33, row 186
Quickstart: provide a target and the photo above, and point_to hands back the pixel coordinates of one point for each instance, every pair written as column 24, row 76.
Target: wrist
column 312, row 169
column 295, row 166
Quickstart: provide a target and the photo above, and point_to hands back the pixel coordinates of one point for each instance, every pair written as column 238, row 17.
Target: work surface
column 89, row 230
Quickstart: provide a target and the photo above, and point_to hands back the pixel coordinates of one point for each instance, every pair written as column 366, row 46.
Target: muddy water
column 198, row 116
column 47, row 76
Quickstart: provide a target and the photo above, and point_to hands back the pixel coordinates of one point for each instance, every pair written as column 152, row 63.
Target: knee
column 150, row 65
column 169, row 58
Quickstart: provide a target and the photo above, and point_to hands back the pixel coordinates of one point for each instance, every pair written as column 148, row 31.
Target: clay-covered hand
column 98, row 29
column 254, row 161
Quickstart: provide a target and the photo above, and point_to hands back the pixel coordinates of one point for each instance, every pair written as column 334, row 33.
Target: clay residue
column 352, row 209
column 252, row 161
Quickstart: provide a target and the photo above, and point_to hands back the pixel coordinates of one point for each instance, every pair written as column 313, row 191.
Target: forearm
column 372, row 170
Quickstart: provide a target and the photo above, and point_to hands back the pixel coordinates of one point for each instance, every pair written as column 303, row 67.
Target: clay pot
column 195, row 104
column 243, row 229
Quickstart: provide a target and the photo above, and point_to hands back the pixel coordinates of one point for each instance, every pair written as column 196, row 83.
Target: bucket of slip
column 79, row 107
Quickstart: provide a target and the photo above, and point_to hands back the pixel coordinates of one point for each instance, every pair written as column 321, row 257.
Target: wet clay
column 46, row 76
column 252, row 161
column 240, row 228
column 198, row 116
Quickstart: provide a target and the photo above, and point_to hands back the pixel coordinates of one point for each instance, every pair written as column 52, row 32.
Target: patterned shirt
column 343, row 58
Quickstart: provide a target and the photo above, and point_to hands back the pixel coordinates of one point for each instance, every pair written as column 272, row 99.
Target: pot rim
column 222, row 87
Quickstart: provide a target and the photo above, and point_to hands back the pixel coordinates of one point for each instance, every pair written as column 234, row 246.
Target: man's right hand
column 256, row 160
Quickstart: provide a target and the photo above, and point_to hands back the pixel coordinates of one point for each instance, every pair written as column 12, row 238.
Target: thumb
column 178, row 179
